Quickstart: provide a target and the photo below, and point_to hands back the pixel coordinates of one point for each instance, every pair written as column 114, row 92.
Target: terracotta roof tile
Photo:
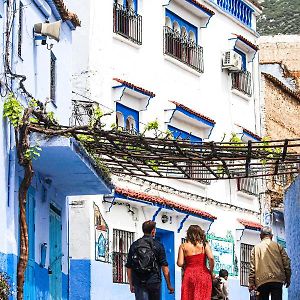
column 162, row 201
column 251, row 133
column 193, row 112
column 135, row 87
column 250, row 224
column 65, row 14
column 201, row 6
column 282, row 86
column 253, row 46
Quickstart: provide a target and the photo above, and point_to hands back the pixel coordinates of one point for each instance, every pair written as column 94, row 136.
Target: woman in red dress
column 197, row 279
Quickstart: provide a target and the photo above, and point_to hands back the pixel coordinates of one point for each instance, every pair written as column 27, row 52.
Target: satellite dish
column 51, row 30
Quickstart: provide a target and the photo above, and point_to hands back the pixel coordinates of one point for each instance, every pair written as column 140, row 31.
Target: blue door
column 167, row 239
column 29, row 284
column 55, row 254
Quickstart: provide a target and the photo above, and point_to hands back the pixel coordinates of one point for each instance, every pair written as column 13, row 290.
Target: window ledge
column 241, row 94
column 182, row 65
column 126, row 41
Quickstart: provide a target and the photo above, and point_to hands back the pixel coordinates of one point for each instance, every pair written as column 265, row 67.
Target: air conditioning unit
column 231, row 61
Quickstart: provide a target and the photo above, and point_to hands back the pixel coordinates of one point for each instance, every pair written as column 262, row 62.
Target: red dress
column 197, row 282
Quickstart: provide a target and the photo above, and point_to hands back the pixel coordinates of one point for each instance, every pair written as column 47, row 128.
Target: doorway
column 166, row 237
column 55, row 254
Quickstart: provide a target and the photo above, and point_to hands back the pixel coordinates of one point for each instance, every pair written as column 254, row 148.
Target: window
column 127, row 22
column 180, row 41
column 20, row 29
column 52, row 77
column 127, row 118
column 248, row 185
column 241, row 81
column 245, row 263
column 183, row 135
column 121, row 244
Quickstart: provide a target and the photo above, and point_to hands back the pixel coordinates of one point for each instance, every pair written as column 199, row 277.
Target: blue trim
column 156, row 213
column 127, row 112
column 244, row 58
column 135, row 4
column 178, row 133
column 250, row 135
column 200, row 8
column 193, row 116
column 182, row 23
column 182, row 222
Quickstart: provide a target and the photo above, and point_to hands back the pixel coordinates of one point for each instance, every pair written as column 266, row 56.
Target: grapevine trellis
column 135, row 154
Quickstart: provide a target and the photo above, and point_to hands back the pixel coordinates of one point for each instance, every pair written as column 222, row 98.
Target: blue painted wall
column 80, row 281
column 292, row 231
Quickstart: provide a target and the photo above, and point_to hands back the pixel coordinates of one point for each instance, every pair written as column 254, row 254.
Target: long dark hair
column 195, row 234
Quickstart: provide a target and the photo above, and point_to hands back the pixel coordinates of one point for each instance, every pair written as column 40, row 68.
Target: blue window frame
column 180, row 134
column 129, row 115
column 182, row 23
column 244, row 58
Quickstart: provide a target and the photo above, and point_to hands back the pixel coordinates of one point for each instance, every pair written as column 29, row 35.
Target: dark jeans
column 148, row 292
column 273, row 288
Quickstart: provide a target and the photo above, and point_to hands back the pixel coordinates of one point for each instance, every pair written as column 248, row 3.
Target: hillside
column 279, row 17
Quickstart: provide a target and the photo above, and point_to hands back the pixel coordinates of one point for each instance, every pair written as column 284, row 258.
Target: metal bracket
column 208, row 229
column 241, row 233
column 181, row 223
column 156, row 213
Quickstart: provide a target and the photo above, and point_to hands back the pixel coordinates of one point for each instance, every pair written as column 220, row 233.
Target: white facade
column 103, row 55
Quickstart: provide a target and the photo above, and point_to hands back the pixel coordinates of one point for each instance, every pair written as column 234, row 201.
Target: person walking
column 146, row 259
column 197, row 279
column 269, row 267
column 220, row 288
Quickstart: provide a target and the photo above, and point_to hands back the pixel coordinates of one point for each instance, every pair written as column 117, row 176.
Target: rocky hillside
column 279, row 17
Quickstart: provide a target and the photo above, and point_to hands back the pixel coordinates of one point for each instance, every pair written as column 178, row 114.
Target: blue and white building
column 192, row 66
column 63, row 169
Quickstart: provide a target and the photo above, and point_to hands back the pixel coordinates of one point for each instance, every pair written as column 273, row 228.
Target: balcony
column 248, row 185
column 241, row 81
column 183, row 49
column 127, row 23
column 82, row 112
column 239, row 9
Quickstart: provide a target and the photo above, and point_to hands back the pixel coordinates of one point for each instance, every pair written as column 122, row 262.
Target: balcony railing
column 248, row 185
column 183, row 49
column 82, row 112
column 128, row 23
column 241, row 81
column 238, row 9
column 196, row 171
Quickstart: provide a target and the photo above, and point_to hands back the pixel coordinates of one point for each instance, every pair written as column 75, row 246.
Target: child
column 220, row 286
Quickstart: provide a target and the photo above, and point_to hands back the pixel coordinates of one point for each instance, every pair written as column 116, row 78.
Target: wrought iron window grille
column 121, row 243
column 245, row 263
column 52, row 77
column 20, row 29
column 183, row 49
column 127, row 23
column 197, row 172
column 241, row 81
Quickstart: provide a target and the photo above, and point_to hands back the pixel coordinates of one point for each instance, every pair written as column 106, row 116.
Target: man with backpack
column 220, row 286
column 146, row 259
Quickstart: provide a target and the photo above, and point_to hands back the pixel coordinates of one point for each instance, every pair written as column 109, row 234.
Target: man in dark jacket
column 145, row 281
column 270, row 267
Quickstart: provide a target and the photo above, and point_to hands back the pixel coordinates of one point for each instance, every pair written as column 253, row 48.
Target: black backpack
column 217, row 292
column 143, row 257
